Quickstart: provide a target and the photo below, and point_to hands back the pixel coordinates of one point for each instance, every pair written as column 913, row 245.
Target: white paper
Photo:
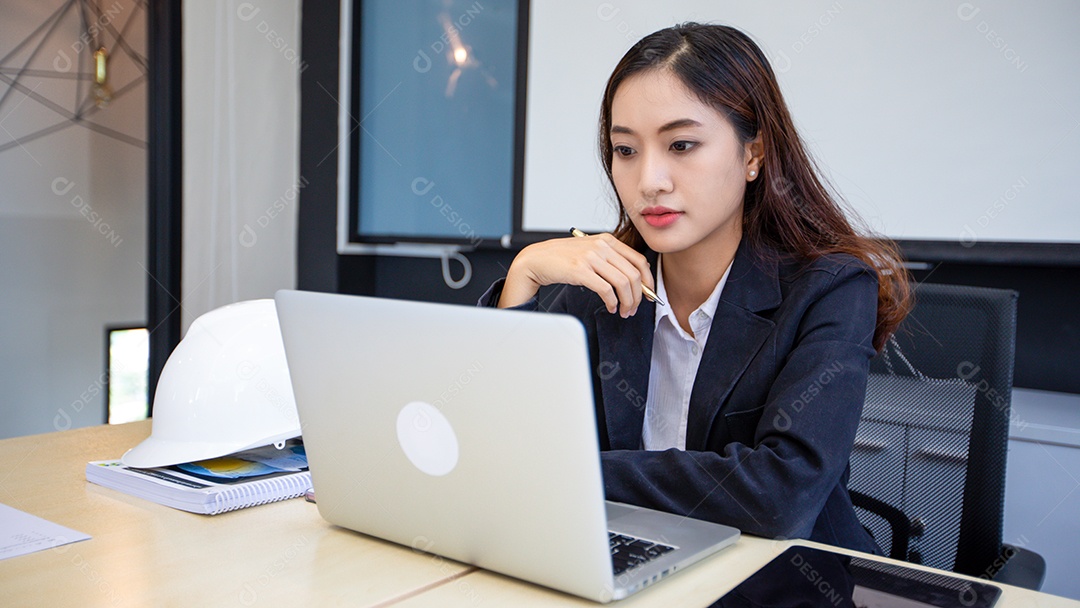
column 22, row 533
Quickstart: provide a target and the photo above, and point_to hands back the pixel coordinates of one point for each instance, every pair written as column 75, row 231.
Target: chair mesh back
column 934, row 432
column 917, row 427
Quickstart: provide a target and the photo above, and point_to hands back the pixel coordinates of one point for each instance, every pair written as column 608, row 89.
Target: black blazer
column 774, row 406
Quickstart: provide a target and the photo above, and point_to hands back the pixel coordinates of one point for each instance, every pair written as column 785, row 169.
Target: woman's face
column 678, row 166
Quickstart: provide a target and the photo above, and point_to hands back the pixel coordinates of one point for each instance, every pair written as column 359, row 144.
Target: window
column 128, row 351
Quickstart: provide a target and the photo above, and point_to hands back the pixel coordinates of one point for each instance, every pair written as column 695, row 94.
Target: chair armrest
column 1020, row 567
column 900, row 524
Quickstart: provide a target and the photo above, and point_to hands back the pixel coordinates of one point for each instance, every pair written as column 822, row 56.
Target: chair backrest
column 934, row 433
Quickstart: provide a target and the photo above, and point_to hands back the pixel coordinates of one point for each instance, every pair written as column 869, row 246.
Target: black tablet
column 802, row 576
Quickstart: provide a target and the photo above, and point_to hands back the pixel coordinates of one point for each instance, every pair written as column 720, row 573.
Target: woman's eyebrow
column 678, row 124
column 675, row 124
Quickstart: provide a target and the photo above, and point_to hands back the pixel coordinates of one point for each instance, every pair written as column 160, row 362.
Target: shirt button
column 694, row 350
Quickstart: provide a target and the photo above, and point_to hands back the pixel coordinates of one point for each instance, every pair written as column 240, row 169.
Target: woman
column 737, row 399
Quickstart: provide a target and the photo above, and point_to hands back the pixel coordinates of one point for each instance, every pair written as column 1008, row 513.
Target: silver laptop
column 470, row 433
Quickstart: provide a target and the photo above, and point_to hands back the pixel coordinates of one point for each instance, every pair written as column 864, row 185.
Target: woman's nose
column 655, row 176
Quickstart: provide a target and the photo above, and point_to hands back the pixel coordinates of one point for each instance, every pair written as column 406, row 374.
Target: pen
column 649, row 294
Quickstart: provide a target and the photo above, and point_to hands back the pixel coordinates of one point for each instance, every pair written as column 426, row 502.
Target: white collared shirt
column 676, row 356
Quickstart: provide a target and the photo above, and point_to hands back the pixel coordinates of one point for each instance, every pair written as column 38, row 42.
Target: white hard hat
column 224, row 389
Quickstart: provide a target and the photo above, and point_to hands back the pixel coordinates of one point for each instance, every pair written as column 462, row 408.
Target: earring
column 753, row 173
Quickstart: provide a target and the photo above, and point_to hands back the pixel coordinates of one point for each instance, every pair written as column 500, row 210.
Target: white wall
column 241, row 151
column 72, row 230
column 935, row 120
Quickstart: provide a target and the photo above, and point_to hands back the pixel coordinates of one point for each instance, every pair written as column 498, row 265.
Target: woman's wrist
column 518, row 287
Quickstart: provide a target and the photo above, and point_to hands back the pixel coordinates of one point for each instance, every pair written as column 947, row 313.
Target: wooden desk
column 144, row 554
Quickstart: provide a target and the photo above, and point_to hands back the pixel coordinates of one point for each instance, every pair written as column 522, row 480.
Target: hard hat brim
column 154, row 452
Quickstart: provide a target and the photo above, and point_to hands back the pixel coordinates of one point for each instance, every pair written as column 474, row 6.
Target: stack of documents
column 209, row 487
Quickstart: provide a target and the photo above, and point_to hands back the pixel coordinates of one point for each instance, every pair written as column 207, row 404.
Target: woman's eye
column 623, row 150
column 683, row 146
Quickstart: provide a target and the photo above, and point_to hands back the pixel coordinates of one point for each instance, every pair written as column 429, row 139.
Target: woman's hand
column 600, row 262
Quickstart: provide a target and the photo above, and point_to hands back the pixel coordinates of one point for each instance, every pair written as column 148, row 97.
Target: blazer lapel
column 735, row 337
column 625, row 347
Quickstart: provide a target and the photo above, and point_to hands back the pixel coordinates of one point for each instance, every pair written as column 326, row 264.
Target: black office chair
column 928, row 466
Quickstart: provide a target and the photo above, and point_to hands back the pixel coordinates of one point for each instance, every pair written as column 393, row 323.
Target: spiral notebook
column 245, row 479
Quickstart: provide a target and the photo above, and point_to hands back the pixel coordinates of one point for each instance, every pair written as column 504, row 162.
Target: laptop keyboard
column 628, row 552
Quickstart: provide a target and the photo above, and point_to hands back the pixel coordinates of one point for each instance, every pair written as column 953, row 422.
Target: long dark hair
column 788, row 208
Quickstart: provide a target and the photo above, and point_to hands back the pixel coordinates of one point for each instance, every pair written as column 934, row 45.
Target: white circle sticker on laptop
column 426, row 437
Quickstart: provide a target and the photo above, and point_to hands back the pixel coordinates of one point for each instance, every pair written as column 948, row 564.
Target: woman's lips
column 659, row 217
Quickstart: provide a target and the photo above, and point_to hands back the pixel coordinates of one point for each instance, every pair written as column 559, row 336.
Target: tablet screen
column 802, row 576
